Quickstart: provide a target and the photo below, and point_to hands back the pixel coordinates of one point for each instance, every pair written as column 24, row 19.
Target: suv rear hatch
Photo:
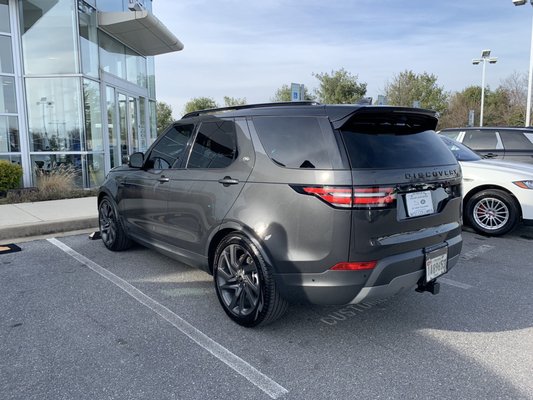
column 406, row 184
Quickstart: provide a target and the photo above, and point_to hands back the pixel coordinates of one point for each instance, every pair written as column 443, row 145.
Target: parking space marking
column 260, row 380
column 451, row 282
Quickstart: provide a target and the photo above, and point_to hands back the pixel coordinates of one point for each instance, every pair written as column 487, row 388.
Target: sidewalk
column 47, row 217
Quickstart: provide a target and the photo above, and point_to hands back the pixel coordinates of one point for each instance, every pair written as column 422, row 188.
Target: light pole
column 485, row 57
column 530, row 75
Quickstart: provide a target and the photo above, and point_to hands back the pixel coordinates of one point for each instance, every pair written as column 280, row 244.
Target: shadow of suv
column 294, row 202
column 498, row 143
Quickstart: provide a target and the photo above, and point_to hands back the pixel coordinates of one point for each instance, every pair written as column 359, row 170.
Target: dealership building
column 77, row 83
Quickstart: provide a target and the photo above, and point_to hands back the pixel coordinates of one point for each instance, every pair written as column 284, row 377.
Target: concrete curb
column 46, row 228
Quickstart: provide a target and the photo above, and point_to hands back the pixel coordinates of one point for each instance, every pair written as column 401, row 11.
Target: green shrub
column 10, row 175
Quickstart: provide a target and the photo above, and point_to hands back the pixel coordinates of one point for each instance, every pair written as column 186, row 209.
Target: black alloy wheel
column 244, row 283
column 111, row 231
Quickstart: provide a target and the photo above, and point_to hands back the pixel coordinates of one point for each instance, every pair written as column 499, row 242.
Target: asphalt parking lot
column 80, row 322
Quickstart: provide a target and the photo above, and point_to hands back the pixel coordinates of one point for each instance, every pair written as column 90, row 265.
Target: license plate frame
column 436, row 263
column 419, row 203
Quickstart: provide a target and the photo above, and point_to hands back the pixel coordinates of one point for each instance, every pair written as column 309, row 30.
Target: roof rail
column 246, row 106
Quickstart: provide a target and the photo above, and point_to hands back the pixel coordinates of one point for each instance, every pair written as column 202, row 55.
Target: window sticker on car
column 419, row 203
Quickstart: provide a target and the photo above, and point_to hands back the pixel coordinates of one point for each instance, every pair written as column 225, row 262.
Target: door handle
column 163, row 179
column 491, row 155
column 227, row 181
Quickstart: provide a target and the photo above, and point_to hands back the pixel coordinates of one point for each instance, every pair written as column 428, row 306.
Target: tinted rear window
column 368, row 148
column 296, row 142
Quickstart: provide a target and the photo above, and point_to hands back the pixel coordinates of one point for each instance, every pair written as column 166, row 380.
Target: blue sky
column 250, row 48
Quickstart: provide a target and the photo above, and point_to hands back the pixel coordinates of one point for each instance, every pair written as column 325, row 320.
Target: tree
column 284, row 94
column 408, row 87
column 234, row 101
column 341, row 87
column 164, row 116
column 200, row 103
column 516, row 87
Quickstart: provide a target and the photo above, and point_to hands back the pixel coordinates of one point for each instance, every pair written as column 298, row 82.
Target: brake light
column 375, row 196
column 337, row 196
column 348, row 197
column 354, row 266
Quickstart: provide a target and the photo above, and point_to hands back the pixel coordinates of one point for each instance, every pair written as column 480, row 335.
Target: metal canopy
column 141, row 31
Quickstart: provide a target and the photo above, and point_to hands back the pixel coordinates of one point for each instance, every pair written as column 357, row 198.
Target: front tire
column 244, row 283
column 492, row 212
column 111, row 230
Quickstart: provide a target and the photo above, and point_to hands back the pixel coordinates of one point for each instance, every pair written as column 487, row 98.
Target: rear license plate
column 419, row 203
column 436, row 263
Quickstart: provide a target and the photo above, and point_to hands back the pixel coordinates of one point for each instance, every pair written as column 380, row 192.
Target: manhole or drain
column 9, row 248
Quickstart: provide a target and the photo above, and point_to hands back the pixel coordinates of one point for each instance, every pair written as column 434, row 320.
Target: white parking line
column 454, row 283
column 263, row 382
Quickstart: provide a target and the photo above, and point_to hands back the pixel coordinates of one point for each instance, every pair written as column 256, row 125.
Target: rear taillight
column 352, row 197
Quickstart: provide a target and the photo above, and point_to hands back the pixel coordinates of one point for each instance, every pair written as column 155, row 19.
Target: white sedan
column 497, row 195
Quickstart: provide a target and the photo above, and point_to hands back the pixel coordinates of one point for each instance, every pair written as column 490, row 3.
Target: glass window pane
column 8, row 102
column 112, row 55
column 132, row 104
column 13, row 158
column 88, row 40
column 6, row 55
column 54, row 113
column 143, row 143
column 93, row 116
column 48, row 38
column 481, row 139
column 295, row 142
column 9, row 135
column 67, row 166
column 169, row 149
column 516, row 140
column 95, row 169
column 215, row 145
column 150, row 77
column 4, row 16
column 123, row 126
column 111, row 113
column 153, row 122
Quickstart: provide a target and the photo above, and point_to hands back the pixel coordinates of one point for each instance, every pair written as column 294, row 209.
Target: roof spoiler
column 415, row 117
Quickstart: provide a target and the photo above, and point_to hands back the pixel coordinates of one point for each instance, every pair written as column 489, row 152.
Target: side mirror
column 136, row 160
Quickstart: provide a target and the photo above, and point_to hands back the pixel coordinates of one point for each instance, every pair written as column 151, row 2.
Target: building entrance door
column 128, row 117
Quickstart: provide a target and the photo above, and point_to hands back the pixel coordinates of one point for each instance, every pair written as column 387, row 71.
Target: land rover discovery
column 294, row 202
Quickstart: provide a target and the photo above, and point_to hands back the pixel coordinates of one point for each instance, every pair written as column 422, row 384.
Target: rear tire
column 492, row 212
column 111, row 229
column 244, row 283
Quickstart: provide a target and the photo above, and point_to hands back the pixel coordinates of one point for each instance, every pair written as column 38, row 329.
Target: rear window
column 394, row 147
column 297, row 142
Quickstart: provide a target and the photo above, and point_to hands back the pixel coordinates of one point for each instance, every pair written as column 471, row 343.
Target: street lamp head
column 485, row 54
column 493, row 60
column 519, row 2
column 476, row 61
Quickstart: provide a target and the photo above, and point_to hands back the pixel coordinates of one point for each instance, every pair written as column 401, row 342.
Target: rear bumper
column 390, row 276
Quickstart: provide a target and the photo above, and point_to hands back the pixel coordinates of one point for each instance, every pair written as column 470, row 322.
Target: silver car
column 294, row 202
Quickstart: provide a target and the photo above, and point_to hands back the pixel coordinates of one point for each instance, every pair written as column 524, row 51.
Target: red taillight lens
column 347, row 197
column 375, row 196
column 354, row 266
column 338, row 196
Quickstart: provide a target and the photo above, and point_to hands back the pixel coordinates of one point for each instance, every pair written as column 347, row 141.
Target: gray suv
column 294, row 202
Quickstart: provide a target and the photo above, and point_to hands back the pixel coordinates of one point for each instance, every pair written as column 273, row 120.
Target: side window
column 482, row 140
column 516, row 140
column 294, row 142
column 170, row 148
column 215, row 145
column 451, row 134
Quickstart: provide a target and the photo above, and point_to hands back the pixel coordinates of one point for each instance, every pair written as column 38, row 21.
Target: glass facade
column 71, row 94
column 49, row 37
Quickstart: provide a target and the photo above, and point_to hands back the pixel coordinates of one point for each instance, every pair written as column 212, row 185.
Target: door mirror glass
column 136, row 160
